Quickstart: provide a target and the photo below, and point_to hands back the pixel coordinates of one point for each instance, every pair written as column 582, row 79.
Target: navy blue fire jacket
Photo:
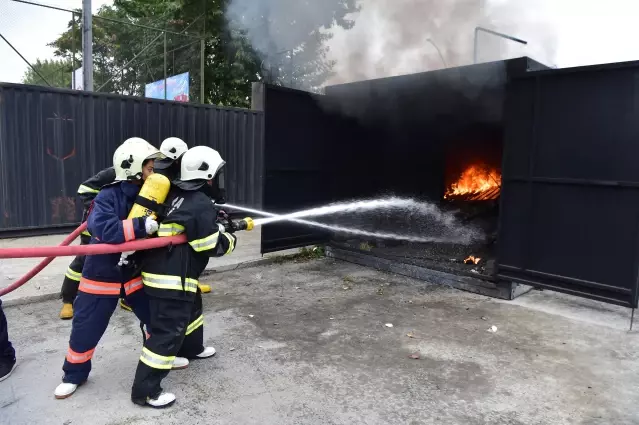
column 108, row 223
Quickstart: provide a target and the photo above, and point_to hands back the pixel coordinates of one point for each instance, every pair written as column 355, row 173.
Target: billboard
column 177, row 88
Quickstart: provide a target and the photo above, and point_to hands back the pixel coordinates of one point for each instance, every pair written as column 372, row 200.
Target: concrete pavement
column 46, row 285
column 307, row 343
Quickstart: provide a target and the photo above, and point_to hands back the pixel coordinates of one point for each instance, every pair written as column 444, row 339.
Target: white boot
column 163, row 400
column 208, row 352
column 64, row 390
column 180, row 363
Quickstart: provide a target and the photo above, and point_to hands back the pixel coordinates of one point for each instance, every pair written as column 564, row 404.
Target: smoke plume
column 396, row 37
column 393, row 37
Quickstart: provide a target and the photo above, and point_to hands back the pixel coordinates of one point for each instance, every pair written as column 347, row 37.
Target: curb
column 32, row 299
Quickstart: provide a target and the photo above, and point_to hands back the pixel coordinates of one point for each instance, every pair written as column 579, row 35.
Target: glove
column 222, row 215
column 221, row 228
column 124, row 258
column 151, row 225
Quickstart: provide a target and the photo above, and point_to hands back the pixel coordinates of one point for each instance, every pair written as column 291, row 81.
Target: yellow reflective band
column 156, row 361
column 169, row 282
column 86, row 189
column 73, row 275
column 195, row 324
column 203, row 244
column 86, row 233
column 231, row 243
column 170, row 229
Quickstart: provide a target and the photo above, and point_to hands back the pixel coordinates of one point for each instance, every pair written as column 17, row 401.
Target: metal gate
column 570, row 196
column 296, row 163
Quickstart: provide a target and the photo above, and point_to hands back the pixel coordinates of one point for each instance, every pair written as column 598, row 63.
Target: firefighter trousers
column 7, row 353
column 90, row 320
column 74, row 273
column 176, row 328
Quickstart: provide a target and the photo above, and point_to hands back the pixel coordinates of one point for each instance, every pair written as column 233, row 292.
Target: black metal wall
column 570, row 194
column 297, row 163
column 51, row 140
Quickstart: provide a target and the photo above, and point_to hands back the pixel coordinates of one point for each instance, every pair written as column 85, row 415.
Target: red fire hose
column 37, row 269
column 63, row 250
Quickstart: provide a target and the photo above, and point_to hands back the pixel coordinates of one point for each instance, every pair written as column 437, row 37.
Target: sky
column 584, row 31
column 29, row 29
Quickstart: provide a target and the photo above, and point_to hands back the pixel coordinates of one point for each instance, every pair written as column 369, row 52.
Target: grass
column 305, row 254
column 365, row 246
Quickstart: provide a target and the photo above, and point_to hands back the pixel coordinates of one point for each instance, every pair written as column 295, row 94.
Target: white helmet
column 200, row 163
column 129, row 157
column 173, row 147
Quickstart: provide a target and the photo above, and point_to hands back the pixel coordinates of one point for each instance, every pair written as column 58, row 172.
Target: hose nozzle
column 233, row 226
column 244, row 224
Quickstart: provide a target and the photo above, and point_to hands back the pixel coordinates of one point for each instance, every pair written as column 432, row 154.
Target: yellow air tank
column 154, row 191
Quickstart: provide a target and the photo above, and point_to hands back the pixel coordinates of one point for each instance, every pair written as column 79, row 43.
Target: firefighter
column 103, row 282
column 173, row 148
column 7, row 352
column 170, row 276
column 87, row 192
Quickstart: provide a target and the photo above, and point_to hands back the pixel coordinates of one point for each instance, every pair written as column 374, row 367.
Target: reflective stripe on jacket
column 173, row 272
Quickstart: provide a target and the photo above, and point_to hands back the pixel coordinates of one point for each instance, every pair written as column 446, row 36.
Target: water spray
column 350, row 207
column 360, row 206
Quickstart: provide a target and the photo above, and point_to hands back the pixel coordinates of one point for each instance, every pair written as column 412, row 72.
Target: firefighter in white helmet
column 176, row 321
column 87, row 192
column 103, row 282
column 173, row 148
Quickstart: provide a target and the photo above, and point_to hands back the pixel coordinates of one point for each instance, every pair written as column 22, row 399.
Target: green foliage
column 57, row 73
column 304, row 255
column 231, row 62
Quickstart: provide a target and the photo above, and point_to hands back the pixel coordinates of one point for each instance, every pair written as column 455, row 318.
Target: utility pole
column 87, row 46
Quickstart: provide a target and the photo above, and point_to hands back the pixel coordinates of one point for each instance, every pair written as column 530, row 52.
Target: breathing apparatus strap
column 158, row 209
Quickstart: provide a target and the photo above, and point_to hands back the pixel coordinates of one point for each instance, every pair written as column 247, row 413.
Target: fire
column 476, row 183
column 472, row 260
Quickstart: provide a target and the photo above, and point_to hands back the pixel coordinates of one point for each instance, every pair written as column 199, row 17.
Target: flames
column 476, row 183
column 472, row 260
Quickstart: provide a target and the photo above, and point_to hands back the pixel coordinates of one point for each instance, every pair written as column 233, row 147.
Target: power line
column 104, row 18
column 24, row 59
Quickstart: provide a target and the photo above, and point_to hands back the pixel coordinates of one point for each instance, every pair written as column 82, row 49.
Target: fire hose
column 64, row 250
column 150, row 197
column 37, row 269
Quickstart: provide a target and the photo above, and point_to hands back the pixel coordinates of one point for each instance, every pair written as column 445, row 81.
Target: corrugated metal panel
column 570, row 193
column 51, row 140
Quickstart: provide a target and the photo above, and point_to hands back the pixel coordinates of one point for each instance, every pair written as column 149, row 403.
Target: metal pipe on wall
column 495, row 33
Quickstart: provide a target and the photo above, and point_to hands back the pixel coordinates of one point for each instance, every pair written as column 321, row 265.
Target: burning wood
column 476, row 183
column 472, row 260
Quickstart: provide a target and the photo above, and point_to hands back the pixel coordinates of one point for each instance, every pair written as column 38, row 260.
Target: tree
column 58, row 73
column 233, row 59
